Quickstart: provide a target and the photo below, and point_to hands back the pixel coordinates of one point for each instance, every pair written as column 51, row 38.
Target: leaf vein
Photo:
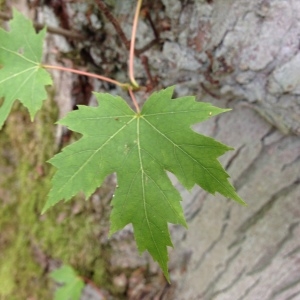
column 89, row 159
column 187, row 154
column 20, row 55
column 17, row 74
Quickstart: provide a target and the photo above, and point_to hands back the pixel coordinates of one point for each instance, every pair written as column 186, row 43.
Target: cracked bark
column 244, row 55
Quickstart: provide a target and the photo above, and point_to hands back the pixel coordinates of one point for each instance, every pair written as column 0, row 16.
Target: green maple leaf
column 22, row 76
column 72, row 284
column 140, row 148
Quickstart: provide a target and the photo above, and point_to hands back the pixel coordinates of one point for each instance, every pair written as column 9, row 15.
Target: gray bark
column 244, row 55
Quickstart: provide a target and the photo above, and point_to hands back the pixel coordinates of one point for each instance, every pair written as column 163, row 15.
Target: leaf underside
column 21, row 75
column 140, row 148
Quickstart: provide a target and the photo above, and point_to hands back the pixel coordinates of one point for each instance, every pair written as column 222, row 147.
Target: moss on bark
column 31, row 242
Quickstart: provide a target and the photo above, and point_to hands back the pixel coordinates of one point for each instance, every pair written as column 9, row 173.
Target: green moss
column 30, row 241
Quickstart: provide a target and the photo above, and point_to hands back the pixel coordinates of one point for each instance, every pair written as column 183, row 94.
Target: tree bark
column 237, row 54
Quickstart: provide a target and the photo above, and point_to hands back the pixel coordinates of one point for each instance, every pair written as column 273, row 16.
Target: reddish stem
column 114, row 22
column 123, row 85
column 132, row 43
column 134, row 100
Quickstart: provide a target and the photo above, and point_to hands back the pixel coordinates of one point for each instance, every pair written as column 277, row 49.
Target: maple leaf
column 140, row 148
column 21, row 75
column 72, row 284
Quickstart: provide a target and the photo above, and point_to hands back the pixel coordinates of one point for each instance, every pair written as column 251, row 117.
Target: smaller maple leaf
column 21, row 75
column 140, row 148
column 72, row 284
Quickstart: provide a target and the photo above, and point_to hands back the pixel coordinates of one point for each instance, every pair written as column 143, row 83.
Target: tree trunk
column 236, row 53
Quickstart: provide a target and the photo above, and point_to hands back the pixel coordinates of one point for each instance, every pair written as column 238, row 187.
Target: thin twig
column 54, row 30
column 123, row 85
column 114, row 22
column 138, row 52
column 148, row 17
column 144, row 60
column 134, row 100
column 132, row 43
column 94, row 285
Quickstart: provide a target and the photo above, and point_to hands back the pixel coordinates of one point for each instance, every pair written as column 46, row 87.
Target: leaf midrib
column 143, row 187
